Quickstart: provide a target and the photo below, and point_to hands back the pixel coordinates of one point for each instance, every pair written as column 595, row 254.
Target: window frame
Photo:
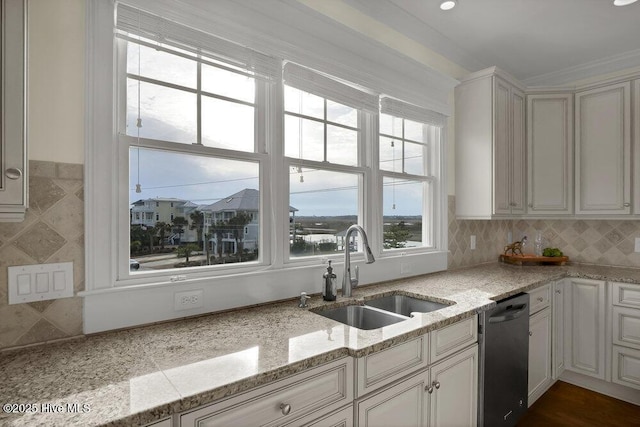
column 264, row 91
column 111, row 302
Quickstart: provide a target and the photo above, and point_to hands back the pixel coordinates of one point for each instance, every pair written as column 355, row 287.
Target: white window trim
column 109, row 306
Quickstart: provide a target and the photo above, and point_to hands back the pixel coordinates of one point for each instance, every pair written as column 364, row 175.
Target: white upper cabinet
column 636, row 145
column 490, row 147
column 13, row 156
column 603, row 150
column 550, row 154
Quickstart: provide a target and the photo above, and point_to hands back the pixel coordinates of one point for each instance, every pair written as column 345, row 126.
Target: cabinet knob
column 428, row 389
column 13, row 173
column 540, row 299
column 626, row 205
column 530, row 205
column 285, row 408
column 530, row 333
column 558, row 291
column 436, row 385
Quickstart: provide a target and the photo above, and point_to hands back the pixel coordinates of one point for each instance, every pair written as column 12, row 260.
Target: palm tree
column 237, row 224
column 162, row 228
column 197, row 223
column 179, row 223
column 218, row 228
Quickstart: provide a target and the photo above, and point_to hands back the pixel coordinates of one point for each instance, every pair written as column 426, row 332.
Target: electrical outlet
column 637, row 249
column 188, row 300
column 472, row 242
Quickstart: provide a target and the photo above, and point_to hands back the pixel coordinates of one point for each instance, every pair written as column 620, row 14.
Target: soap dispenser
column 329, row 284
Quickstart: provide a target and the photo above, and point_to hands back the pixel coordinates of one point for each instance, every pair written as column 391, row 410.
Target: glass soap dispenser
column 329, row 284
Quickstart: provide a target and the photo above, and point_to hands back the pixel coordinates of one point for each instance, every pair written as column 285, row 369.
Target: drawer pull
column 13, row 173
column 285, row 408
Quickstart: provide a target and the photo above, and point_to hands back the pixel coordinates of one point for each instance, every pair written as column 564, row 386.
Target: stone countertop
column 137, row 376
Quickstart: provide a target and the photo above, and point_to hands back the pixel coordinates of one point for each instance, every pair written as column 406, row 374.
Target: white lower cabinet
column 541, row 338
column 585, row 327
column 539, row 354
column 403, row 404
column 340, row 418
column 454, row 399
column 320, row 390
column 446, row 394
column 625, row 357
column 558, row 323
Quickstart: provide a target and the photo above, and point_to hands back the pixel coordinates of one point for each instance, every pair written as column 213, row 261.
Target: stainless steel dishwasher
column 504, row 362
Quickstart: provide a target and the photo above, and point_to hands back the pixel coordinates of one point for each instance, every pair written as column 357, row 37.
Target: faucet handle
column 303, row 300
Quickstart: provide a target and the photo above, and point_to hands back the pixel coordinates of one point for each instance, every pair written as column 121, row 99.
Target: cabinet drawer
column 329, row 387
column 626, row 327
column 626, row 294
column 448, row 340
column 341, row 418
column 381, row 368
column 626, row 367
column 539, row 298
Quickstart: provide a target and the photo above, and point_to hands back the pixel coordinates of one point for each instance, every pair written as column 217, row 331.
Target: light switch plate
column 40, row 282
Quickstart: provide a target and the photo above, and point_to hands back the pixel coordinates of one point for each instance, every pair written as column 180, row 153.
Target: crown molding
column 591, row 69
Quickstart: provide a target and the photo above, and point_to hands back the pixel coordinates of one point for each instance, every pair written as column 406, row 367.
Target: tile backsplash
column 605, row 242
column 53, row 231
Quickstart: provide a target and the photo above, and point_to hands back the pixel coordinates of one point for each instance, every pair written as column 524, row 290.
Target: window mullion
column 199, row 104
column 325, row 125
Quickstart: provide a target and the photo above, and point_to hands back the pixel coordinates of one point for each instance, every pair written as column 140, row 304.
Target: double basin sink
column 382, row 311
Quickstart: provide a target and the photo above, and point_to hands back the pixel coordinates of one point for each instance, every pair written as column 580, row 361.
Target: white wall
column 56, row 80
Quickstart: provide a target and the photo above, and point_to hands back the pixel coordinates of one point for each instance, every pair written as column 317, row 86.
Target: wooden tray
column 522, row 259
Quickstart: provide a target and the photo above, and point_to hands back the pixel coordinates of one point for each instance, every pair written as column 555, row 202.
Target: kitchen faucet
column 349, row 283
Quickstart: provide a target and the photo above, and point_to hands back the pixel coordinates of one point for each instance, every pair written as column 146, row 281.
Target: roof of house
column 246, row 200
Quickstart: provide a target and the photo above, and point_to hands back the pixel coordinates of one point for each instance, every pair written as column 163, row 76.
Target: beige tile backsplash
column 53, row 231
column 603, row 242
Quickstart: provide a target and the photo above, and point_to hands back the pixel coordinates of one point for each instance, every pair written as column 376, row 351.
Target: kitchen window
column 409, row 144
column 254, row 162
column 189, row 121
column 325, row 151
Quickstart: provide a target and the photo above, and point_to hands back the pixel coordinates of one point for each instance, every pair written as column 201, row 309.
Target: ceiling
column 539, row 42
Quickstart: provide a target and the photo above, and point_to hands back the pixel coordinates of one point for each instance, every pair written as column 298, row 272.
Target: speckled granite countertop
column 137, row 376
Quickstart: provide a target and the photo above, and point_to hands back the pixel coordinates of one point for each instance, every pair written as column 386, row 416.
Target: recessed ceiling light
column 620, row 2
column 450, row 4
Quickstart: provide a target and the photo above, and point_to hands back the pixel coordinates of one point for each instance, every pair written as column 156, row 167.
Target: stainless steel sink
column 404, row 305
column 361, row 317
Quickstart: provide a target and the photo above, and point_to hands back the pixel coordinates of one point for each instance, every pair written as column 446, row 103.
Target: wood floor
column 568, row 405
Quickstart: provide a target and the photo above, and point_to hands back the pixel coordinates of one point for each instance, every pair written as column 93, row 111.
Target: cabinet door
column 539, row 354
column 557, row 320
column 585, row 319
column 454, row 397
column 550, row 149
column 502, row 147
column 603, row 150
column 636, row 146
column 518, row 153
column 404, row 404
column 13, row 164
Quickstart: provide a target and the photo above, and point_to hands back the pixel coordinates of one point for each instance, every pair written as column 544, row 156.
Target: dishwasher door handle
column 509, row 314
